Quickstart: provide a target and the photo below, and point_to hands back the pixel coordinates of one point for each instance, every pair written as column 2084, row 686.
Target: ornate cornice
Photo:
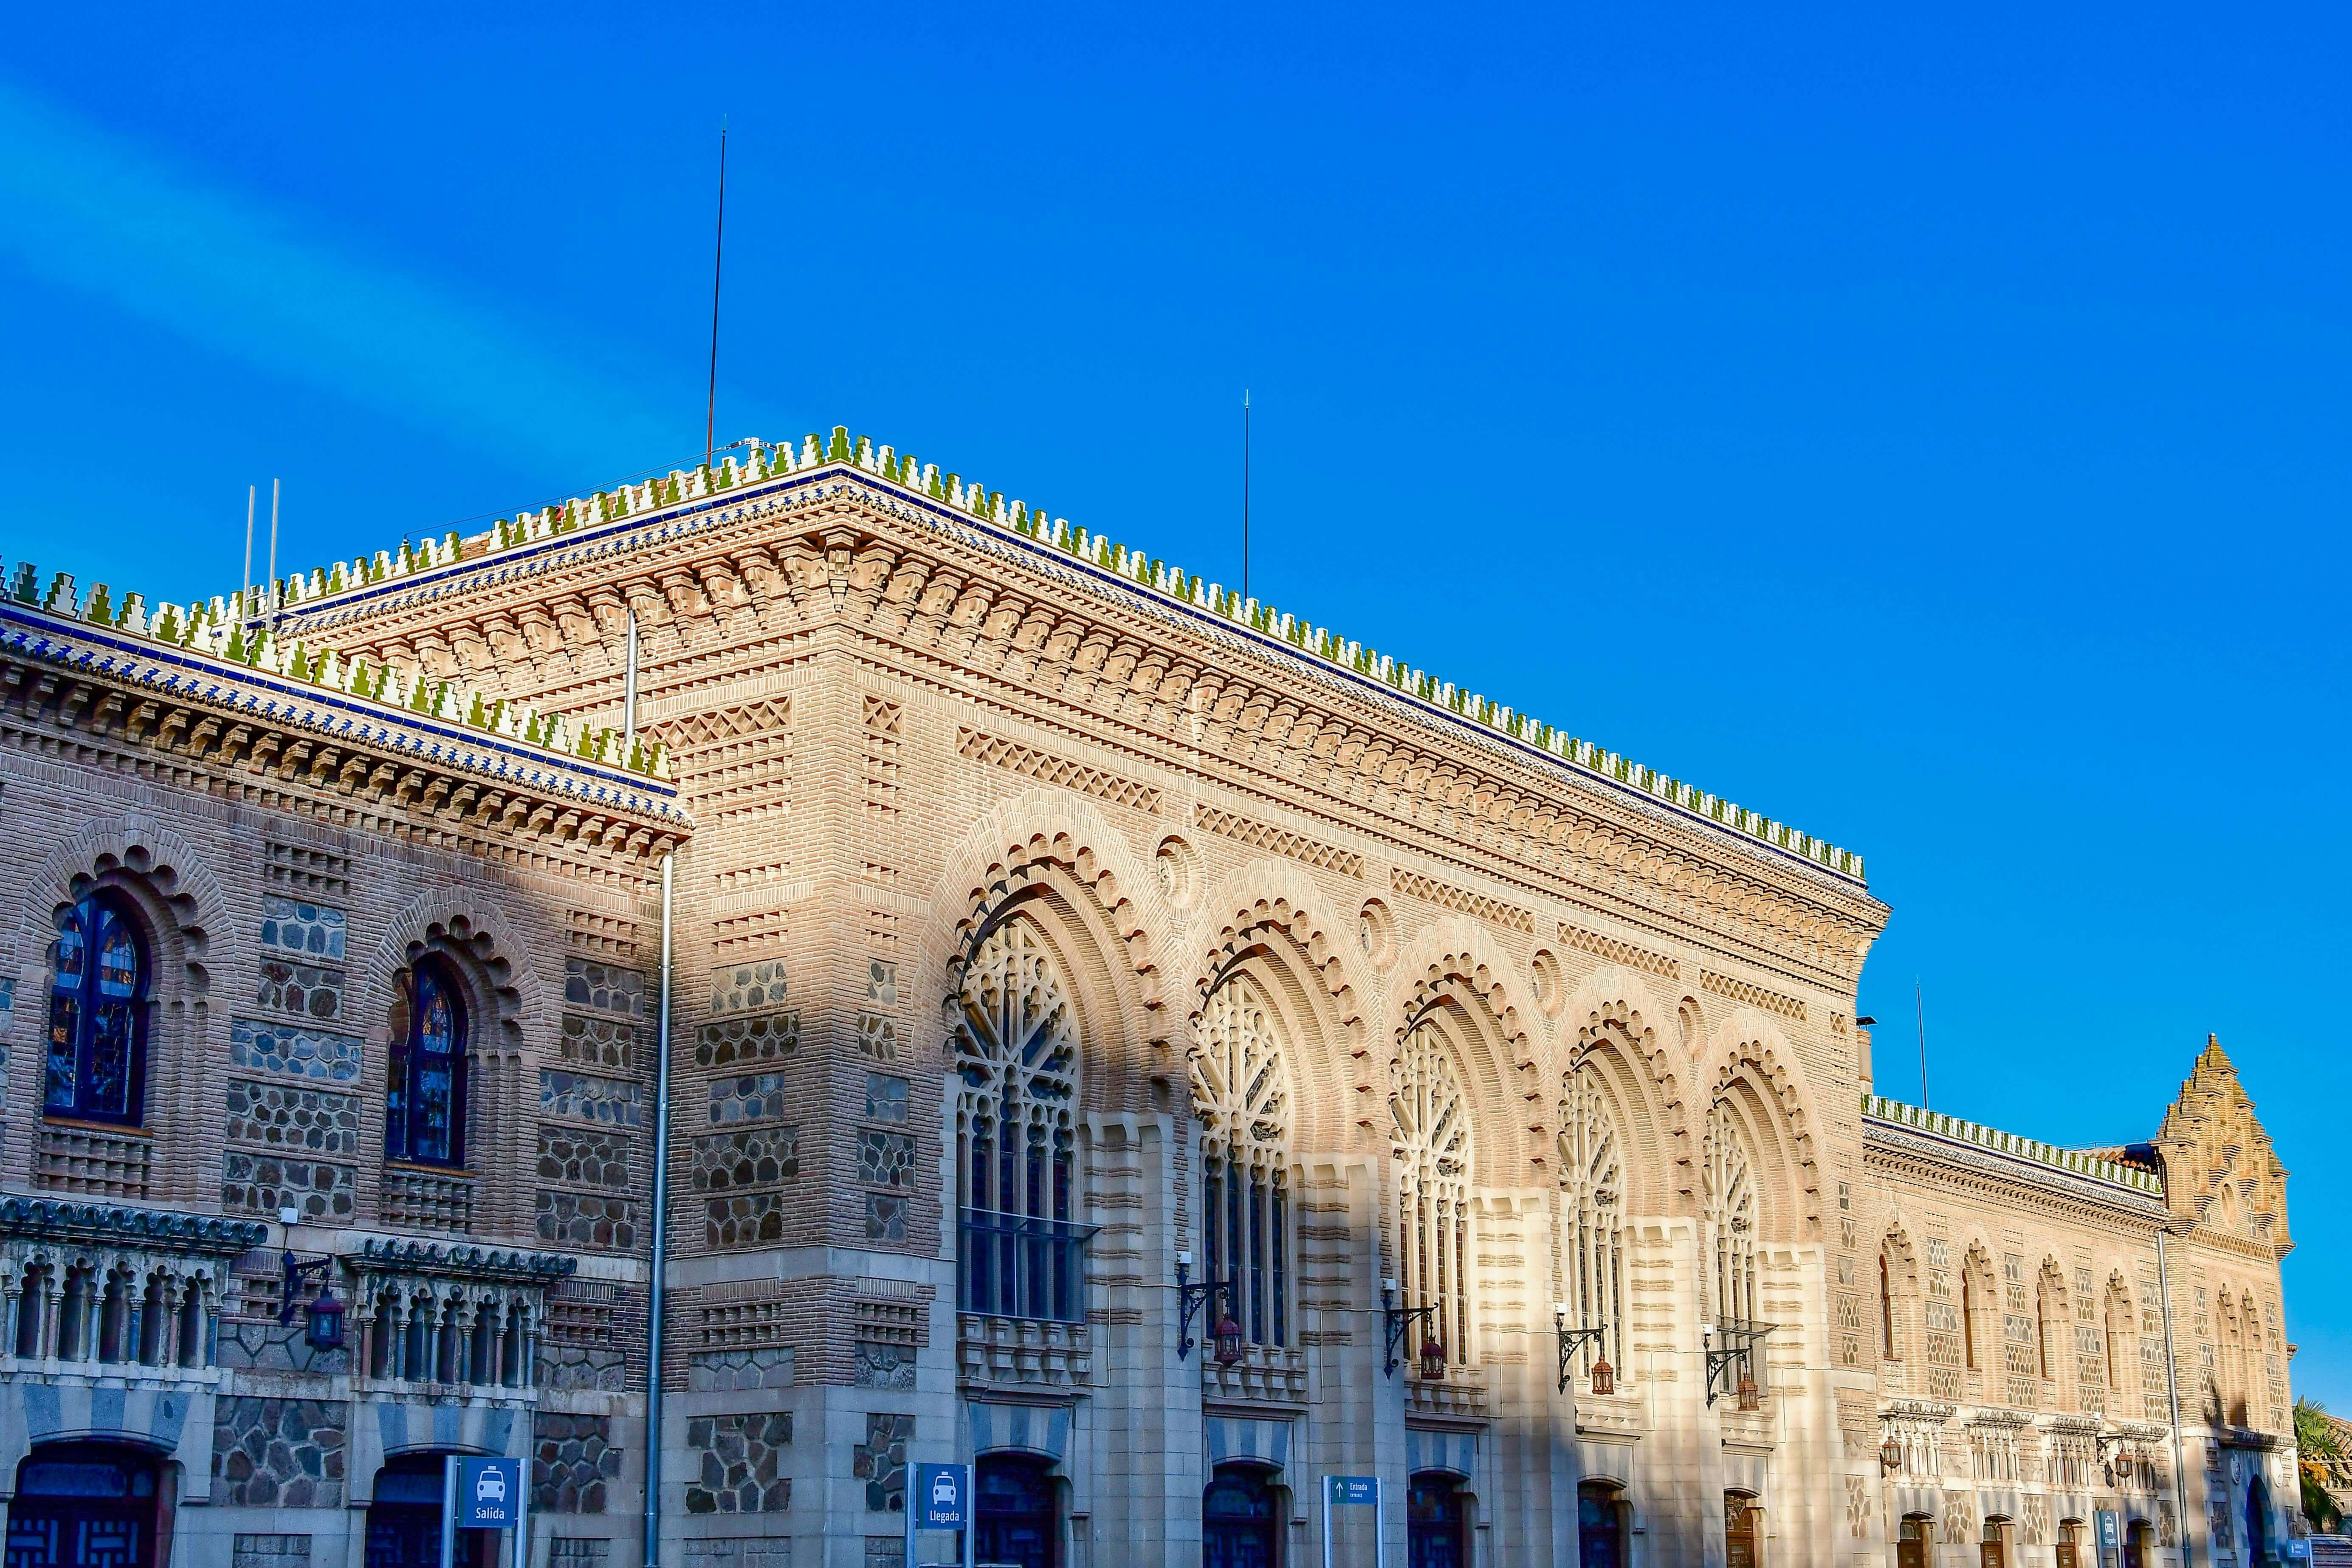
column 113, row 1225
column 377, row 1256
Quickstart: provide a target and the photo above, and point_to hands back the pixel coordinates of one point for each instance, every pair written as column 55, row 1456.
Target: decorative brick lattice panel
column 886, row 1098
column 1279, row 841
column 270, row 1551
column 573, row 1462
column 1754, row 995
column 881, row 760
column 1462, row 901
column 584, row 1219
column 305, row 1121
column 278, row 1453
column 1615, row 952
column 260, row 1046
column 734, row 1317
column 609, row 1101
column 746, row 1220
column 749, row 1099
column 886, row 1159
column 601, row 1042
column 1044, row 766
column 747, row 988
column 428, row 1201
column 880, row 1462
column 91, row 1162
column 602, row 936
column 735, row 1041
column 736, row 1459
column 291, row 925
column 264, row 1183
column 587, row 1322
column 607, row 987
column 755, row 1157
column 303, row 988
column 308, row 870
column 584, row 1551
column 739, row 1372
column 583, row 1156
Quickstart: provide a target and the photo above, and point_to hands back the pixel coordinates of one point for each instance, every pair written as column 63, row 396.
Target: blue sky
column 1929, row 431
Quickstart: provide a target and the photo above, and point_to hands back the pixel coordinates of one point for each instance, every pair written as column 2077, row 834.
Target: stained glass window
column 424, row 1088
column 1241, row 1091
column 97, row 1022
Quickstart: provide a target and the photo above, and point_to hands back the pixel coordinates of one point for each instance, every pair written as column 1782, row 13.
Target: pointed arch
column 1755, row 1086
column 1615, row 1035
column 1434, row 1149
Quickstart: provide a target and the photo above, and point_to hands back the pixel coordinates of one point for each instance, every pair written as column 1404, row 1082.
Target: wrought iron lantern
column 1228, row 1337
column 1751, row 1397
column 1890, row 1455
column 323, row 1321
column 1432, row 1360
column 1604, row 1376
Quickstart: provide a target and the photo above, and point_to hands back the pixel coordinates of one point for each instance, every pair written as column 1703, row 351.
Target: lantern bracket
column 2113, row 1450
column 1192, row 1300
column 297, row 1270
column 1397, row 1320
column 1738, row 1339
column 1570, row 1341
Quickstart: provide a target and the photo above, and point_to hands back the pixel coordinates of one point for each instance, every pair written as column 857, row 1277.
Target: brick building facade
column 1046, row 925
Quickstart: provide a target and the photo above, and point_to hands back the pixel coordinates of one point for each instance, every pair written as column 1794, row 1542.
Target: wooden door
column 1992, row 1554
column 1739, row 1536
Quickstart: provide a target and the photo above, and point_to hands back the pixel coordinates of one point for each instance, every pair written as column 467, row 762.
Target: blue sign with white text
column 489, row 1494
column 2111, row 1527
column 943, row 1497
column 1364, row 1491
column 2295, row 1551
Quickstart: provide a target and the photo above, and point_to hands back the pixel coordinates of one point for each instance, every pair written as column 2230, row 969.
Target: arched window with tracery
column 1731, row 1220
column 425, row 1071
column 1241, row 1091
column 1431, row 1145
column 1016, row 1144
column 1592, row 1191
column 97, row 1013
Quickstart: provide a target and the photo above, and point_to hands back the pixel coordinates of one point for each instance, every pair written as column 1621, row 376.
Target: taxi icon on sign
column 491, row 1486
column 943, row 1491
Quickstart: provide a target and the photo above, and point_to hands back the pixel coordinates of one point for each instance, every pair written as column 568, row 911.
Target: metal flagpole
column 718, row 255
column 244, row 600
column 1245, row 496
column 272, row 593
column 449, row 1512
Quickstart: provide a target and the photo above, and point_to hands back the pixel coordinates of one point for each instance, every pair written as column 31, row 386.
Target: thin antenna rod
column 244, row 601
column 718, row 256
column 1919, row 995
column 273, row 552
column 1245, row 479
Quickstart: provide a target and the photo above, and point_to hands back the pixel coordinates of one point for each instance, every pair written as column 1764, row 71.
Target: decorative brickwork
column 590, row 1325
column 886, row 1159
column 880, row 1462
column 604, row 986
column 755, row 1157
column 573, row 1462
column 1624, row 952
column 260, row 1045
column 270, row 1551
column 601, row 1042
column 303, row 988
column 748, row 1099
column 1279, row 841
column 614, row 1102
column 1014, row 757
column 737, row 1461
column 734, row 1041
column 1753, row 995
column 738, row 1371
column 582, row 1219
column 1460, row 900
column 264, row 1183
column 307, row 1121
column 582, row 1157
column 278, row 1453
column 746, row 1219
column 314, row 929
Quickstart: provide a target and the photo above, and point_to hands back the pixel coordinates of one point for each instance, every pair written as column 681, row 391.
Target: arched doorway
column 1599, row 1526
column 85, row 1505
column 1911, row 1539
column 2258, row 1519
column 2071, row 1541
column 2139, row 1540
column 1237, row 1518
column 1016, row 1515
column 1437, row 1521
column 403, row 1517
column 1993, row 1551
column 1742, row 1522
